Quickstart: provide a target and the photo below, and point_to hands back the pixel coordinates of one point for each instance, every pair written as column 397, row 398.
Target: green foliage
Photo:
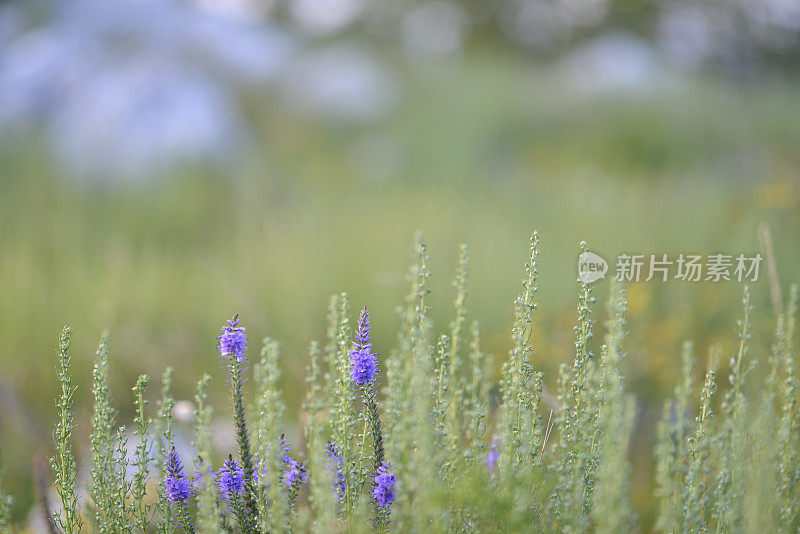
column 269, row 411
column 197, row 242
column 789, row 427
column 108, row 485
column 321, row 499
column 724, row 473
column 6, row 502
column 577, row 422
column 342, row 397
column 611, row 507
column 142, row 456
column 521, row 385
column 694, row 490
column 207, row 510
column 727, row 511
column 63, row 464
column 728, row 469
column 164, row 441
column 245, row 507
column 476, row 396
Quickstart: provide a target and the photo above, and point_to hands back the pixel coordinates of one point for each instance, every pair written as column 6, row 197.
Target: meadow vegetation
column 414, row 441
column 481, row 154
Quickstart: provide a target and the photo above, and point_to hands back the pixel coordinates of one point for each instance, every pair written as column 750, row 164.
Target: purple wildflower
column 493, row 455
column 294, row 474
column 230, row 478
column 364, row 365
column 336, row 466
column 233, row 340
column 177, row 484
column 383, row 492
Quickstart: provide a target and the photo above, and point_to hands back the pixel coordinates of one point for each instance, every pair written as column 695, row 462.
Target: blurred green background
column 479, row 151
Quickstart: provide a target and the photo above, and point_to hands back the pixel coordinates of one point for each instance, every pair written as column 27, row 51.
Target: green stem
column 247, row 513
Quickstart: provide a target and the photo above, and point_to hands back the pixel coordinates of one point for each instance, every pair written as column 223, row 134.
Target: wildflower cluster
column 417, row 454
column 230, row 479
column 233, row 340
column 178, row 487
column 364, row 365
column 294, row 472
column 385, row 481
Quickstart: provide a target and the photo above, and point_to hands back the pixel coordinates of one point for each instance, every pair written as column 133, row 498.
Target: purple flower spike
column 383, row 492
column 294, row 473
column 177, row 485
column 493, row 455
column 230, row 478
column 233, row 340
column 336, row 467
column 364, row 365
